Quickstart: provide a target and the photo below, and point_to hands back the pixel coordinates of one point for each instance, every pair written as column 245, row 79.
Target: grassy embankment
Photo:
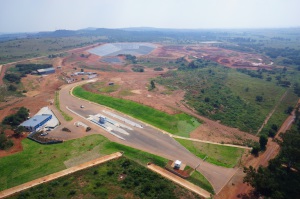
column 57, row 105
column 224, row 156
column 39, row 160
column 104, row 181
column 179, row 124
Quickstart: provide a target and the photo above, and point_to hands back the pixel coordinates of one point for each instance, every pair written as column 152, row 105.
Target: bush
column 259, row 98
column 272, row 133
column 5, row 143
column 11, row 77
column 16, row 119
column 110, row 173
column 158, row 69
column 72, row 192
column 263, row 140
column 12, row 87
column 139, row 69
column 255, row 149
column 289, row 110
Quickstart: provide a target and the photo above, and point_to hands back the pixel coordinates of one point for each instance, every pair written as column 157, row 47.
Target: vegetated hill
column 226, row 95
column 25, row 45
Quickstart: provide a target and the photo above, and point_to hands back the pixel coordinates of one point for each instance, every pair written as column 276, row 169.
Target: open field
column 47, row 159
column 34, row 47
column 179, row 124
column 115, row 179
column 226, row 95
column 216, row 154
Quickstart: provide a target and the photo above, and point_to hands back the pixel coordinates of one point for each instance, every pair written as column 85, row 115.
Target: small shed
column 177, row 164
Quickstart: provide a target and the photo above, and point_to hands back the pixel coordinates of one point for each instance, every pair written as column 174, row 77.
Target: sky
column 49, row 15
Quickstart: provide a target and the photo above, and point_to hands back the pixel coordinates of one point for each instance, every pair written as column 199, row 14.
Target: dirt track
column 271, row 113
column 178, row 180
column 13, row 190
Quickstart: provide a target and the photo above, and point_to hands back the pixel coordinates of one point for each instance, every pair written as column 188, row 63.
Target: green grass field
column 38, row 160
column 179, row 124
column 199, row 180
column 216, row 154
column 104, row 181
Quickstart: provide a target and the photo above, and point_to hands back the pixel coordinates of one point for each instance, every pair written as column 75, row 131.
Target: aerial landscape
column 127, row 99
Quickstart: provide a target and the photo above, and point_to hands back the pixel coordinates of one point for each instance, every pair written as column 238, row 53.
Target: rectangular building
column 36, row 122
column 46, row 71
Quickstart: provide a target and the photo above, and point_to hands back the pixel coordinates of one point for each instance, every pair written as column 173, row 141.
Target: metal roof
column 45, row 70
column 47, row 111
column 35, row 120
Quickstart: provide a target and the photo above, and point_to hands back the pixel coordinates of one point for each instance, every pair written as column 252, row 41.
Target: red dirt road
column 13, row 190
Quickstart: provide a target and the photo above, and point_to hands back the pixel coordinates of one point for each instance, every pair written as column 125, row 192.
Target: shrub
column 263, row 140
column 72, row 192
column 110, row 172
column 259, row 98
column 158, row 69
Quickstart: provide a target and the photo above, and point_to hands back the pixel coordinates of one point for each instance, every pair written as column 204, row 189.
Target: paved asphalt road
column 147, row 139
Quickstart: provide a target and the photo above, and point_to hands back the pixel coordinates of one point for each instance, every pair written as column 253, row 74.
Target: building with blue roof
column 36, row 122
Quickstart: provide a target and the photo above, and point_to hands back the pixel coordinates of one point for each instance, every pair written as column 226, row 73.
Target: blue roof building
column 37, row 121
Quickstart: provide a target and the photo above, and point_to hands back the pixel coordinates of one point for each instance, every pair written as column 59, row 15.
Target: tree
column 82, row 70
column 152, row 85
column 16, row 119
column 12, row 87
column 259, row 98
column 279, row 179
column 255, row 149
column 289, row 110
column 263, row 140
column 290, row 151
column 207, row 99
column 19, row 130
column 5, row 143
